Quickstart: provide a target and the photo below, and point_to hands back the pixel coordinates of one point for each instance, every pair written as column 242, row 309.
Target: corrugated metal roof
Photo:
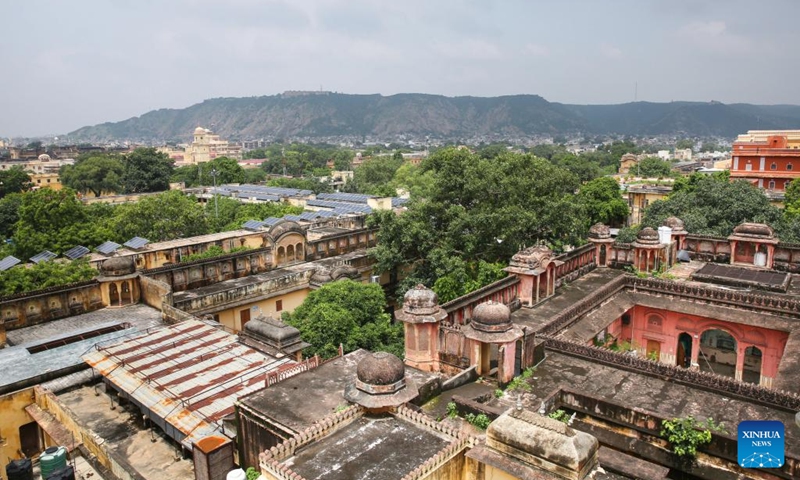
column 188, row 375
column 75, row 253
column 9, row 262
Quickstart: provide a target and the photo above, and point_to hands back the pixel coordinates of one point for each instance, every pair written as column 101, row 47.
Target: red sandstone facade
column 767, row 159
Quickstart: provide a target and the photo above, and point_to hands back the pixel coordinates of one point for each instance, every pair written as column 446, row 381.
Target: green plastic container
column 54, row 458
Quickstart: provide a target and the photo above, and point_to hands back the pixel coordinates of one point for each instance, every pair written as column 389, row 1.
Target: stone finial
column 599, row 231
column 532, row 258
column 421, row 305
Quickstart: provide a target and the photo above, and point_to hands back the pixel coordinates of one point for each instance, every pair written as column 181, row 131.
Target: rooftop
column 22, row 368
column 369, row 448
column 170, row 244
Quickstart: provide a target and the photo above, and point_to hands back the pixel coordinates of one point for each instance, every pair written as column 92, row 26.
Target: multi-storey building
column 207, row 146
column 769, row 159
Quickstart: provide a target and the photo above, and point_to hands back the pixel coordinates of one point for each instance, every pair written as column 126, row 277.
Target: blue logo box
column 760, row 444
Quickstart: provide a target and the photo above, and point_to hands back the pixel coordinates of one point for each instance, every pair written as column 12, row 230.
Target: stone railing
column 404, row 413
column 783, row 400
column 570, row 315
column 48, row 291
column 290, row 370
column 459, row 309
column 577, row 263
column 200, row 261
column 440, row 459
column 747, row 300
column 271, row 459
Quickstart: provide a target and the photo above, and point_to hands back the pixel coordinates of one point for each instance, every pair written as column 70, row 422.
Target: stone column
column 695, row 352
column 537, row 289
column 733, row 251
column 770, row 255
column 740, row 361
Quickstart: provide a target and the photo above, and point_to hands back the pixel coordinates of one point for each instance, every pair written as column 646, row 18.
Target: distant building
column 628, row 162
column 641, row 196
column 207, row 146
column 682, row 155
column 766, row 158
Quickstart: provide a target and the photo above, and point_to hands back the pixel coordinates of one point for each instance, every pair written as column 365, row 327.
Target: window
column 772, row 184
column 788, row 166
column 774, row 166
column 786, row 184
column 278, row 305
column 748, row 167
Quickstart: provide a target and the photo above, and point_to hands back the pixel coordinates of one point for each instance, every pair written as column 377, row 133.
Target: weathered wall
column 154, row 292
column 13, row 414
column 48, row 304
column 199, row 273
column 232, row 317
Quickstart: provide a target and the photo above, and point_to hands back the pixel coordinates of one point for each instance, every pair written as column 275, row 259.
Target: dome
column 420, row 299
column 321, row 275
column 532, row 258
column 754, row 230
column 118, row 266
column 199, row 131
column 647, row 236
column 44, row 157
column 599, row 231
column 491, row 317
column 380, row 369
column 344, row 271
column 284, row 226
column 675, row 223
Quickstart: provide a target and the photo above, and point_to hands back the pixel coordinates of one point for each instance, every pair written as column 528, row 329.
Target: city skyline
column 77, row 65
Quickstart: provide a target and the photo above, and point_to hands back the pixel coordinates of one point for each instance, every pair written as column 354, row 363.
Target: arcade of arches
column 745, row 352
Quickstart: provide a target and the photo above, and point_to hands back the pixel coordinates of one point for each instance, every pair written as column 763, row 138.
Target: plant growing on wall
column 686, row 435
column 520, row 382
column 559, row 415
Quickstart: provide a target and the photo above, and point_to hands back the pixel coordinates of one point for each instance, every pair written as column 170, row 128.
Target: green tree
column 713, row 206
column 14, row 180
column 96, row 174
column 374, row 176
column 684, row 143
column 9, row 213
column 348, row 313
column 465, row 277
column 46, row 274
column 227, row 170
column 305, row 183
column 146, row 170
column 603, row 201
column 686, row 435
column 254, row 175
column 161, row 217
column 792, row 198
column 57, row 221
column 413, row 179
column 653, row 167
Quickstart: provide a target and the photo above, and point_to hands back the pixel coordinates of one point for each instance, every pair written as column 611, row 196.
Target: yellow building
column 46, row 180
column 641, row 196
column 207, row 146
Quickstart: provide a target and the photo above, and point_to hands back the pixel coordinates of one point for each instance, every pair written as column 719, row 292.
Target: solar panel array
column 271, row 221
column 293, row 218
column 253, row 225
column 136, row 243
column 250, row 191
column 108, row 247
column 398, row 202
column 342, row 207
column 309, row 216
column 9, row 262
column 345, row 197
column 75, row 253
column 45, row 256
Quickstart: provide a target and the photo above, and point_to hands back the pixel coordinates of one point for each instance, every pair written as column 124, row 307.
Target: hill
column 333, row 114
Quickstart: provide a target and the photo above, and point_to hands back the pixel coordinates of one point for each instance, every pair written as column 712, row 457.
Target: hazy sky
column 66, row 64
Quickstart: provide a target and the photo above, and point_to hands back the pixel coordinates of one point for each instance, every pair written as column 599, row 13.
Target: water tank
column 760, row 259
column 237, row 474
column 20, row 470
column 66, row 473
column 664, row 235
column 54, row 458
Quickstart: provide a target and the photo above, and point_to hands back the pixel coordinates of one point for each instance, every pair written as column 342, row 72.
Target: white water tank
column 664, row 235
column 760, row 259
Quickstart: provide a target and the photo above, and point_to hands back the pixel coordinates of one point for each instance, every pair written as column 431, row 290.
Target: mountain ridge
column 373, row 115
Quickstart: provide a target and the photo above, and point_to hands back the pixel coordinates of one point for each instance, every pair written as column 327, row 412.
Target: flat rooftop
column 301, row 400
column 170, row 244
column 745, row 277
column 368, row 449
column 668, row 399
column 22, row 368
column 119, row 431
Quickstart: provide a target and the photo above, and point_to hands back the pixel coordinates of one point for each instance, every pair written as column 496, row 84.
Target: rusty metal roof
column 187, row 375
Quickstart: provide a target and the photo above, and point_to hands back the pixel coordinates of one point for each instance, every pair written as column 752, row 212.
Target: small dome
column 532, row 258
column 491, row 317
column 284, row 226
column 420, row 299
column 44, row 157
column 199, row 131
column 380, row 369
column 344, row 271
column 754, row 230
column 647, row 236
column 118, row 266
column 599, row 231
column 675, row 223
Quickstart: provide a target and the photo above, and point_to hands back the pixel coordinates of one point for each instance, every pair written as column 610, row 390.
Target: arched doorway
column 113, row 294
column 126, row 294
column 683, row 357
column 718, row 351
column 602, row 255
column 752, row 364
column 290, row 253
column 298, row 251
column 281, row 255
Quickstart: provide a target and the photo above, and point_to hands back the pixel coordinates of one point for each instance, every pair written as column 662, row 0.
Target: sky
column 67, row 64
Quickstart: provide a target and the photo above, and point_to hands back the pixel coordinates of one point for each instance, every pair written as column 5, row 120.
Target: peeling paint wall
column 13, row 414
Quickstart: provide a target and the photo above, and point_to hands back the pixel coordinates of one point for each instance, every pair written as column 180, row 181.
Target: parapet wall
column 40, row 306
column 207, row 271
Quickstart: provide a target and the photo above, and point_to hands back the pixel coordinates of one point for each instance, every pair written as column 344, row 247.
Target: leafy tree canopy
column 165, row 216
column 348, row 313
column 46, row 274
column 653, row 167
column 602, row 199
column 375, row 175
column 99, row 174
column 14, row 180
column 146, row 170
column 306, row 183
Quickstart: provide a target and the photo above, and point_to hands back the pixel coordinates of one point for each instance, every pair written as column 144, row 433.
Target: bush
column 686, row 435
column 521, row 382
column 479, row 421
column 452, row 410
column 560, row 415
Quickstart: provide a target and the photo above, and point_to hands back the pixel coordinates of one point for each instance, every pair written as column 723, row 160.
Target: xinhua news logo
column 761, row 444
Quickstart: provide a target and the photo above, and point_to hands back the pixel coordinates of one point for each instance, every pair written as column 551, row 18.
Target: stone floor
column 123, row 437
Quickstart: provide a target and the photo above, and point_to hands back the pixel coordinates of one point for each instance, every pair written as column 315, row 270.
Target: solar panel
column 293, row 218
column 108, row 247
column 325, row 214
column 43, row 257
column 75, row 253
column 9, row 262
column 136, row 243
column 253, row 225
column 309, row 215
column 271, row 221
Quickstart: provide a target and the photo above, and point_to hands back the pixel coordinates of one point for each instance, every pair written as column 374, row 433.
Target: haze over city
column 76, row 64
